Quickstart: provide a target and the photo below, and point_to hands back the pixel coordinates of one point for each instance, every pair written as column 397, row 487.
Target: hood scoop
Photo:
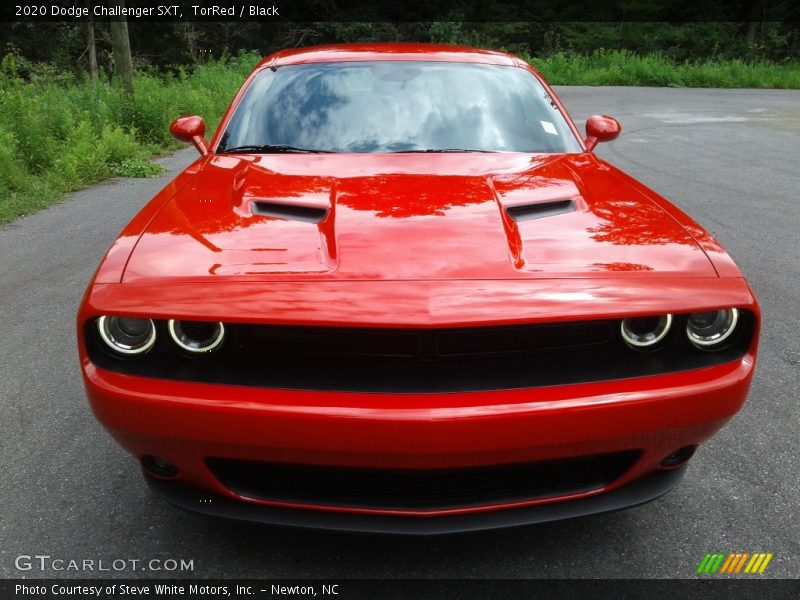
column 539, row 210
column 307, row 213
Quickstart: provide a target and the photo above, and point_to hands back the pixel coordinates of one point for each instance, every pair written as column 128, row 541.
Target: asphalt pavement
column 730, row 158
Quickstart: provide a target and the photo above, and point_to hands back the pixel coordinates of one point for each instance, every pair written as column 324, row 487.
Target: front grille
column 418, row 489
column 332, row 341
column 420, row 343
column 410, row 360
column 521, row 339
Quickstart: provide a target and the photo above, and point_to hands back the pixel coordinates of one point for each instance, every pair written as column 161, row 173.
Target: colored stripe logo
column 734, row 563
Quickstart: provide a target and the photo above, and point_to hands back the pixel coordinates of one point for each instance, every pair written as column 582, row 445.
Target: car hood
column 411, row 217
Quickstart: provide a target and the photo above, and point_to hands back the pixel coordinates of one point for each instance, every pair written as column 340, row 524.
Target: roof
column 388, row 51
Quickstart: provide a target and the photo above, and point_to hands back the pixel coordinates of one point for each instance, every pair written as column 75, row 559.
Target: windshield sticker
column 549, row 127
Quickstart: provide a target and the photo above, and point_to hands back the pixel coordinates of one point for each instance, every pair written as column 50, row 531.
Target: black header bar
column 675, row 11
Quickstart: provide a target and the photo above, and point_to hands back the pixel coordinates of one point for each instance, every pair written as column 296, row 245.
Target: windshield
column 397, row 106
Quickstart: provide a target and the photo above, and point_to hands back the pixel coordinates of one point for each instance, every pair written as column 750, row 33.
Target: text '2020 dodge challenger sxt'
column 399, row 292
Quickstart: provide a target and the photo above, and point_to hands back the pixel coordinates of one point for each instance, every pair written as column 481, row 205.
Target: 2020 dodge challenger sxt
column 399, row 292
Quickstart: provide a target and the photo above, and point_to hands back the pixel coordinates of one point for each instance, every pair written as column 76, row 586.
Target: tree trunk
column 90, row 42
column 753, row 21
column 191, row 36
column 121, row 48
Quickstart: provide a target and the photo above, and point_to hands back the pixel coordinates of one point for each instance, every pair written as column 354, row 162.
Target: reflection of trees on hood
column 402, row 196
column 629, row 222
column 209, row 206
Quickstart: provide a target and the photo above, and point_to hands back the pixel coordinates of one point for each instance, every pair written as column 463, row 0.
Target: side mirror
column 601, row 128
column 190, row 130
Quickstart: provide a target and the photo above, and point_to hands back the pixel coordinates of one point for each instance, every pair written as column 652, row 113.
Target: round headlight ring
column 711, row 336
column 130, row 336
column 648, row 339
column 193, row 345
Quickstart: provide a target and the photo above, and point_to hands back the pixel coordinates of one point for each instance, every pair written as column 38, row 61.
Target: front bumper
column 188, row 423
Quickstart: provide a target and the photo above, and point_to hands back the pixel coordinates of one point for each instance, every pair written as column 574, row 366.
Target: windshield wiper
column 270, row 149
column 434, row 150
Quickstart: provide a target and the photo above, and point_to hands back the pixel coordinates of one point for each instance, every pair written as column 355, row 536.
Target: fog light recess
column 677, row 458
column 159, row 467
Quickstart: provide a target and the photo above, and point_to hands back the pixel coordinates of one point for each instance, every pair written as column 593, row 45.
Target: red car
column 399, row 292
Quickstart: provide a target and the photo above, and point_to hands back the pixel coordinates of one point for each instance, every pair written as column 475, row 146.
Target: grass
column 618, row 67
column 59, row 133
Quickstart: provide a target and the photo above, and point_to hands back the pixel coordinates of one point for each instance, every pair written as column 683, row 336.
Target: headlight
column 645, row 332
column 707, row 330
column 127, row 335
column 196, row 336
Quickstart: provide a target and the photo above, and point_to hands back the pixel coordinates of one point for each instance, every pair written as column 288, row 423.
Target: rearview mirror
column 190, row 130
column 601, row 128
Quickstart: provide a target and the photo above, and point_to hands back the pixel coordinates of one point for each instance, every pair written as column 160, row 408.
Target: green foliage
column 353, row 31
column 81, row 160
column 137, row 167
column 696, row 31
column 620, row 67
column 58, row 134
column 13, row 175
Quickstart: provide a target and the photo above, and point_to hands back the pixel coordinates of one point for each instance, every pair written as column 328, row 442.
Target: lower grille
column 419, row 489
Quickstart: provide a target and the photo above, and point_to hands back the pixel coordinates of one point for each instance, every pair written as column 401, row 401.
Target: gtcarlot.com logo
column 734, row 563
column 46, row 562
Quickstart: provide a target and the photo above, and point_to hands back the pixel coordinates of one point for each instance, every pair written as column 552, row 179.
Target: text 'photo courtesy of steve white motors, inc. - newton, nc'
column 116, row 590
column 175, row 11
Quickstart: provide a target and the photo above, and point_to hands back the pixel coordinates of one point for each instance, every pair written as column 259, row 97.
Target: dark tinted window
column 391, row 106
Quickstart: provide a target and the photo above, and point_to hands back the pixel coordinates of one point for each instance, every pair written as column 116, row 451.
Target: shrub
column 136, row 167
column 59, row 133
column 620, row 67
